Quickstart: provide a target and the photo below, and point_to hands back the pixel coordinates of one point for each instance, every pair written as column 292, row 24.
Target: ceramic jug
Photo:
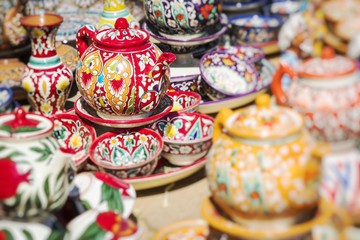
column 263, row 168
column 326, row 90
column 36, row 175
column 121, row 73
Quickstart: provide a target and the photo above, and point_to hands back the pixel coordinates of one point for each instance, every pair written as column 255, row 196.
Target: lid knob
column 263, row 100
column 121, row 23
column 327, row 53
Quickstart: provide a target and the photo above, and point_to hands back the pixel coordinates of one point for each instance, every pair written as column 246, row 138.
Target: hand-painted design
column 112, row 197
column 11, row 178
column 174, row 17
column 109, row 222
column 185, row 149
column 114, row 182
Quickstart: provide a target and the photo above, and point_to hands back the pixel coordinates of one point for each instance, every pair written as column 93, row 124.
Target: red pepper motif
column 206, row 10
column 180, row 17
column 10, row 178
column 112, row 222
column 113, row 182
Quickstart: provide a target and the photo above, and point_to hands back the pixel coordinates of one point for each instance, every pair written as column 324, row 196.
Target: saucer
column 243, row 6
column 95, row 193
column 165, row 173
column 188, row 229
column 327, row 218
column 215, row 33
column 85, row 111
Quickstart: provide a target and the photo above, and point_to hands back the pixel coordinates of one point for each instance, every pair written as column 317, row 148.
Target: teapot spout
column 162, row 64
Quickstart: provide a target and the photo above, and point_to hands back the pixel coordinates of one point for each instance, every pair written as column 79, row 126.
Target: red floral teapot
column 121, row 73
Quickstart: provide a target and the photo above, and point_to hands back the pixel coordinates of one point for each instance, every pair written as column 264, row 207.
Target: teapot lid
column 329, row 65
column 264, row 121
column 121, row 36
column 23, row 125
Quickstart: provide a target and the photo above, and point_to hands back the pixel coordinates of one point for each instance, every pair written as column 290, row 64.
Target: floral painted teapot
column 263, row 168
column 121, row 73
column 36, row 175
column 326, row 90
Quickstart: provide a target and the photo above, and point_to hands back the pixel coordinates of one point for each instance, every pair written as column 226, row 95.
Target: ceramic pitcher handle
column 276, row 85
column 85, row 35
column 220, row 119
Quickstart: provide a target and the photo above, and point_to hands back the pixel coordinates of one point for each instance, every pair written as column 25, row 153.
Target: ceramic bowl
column 6, row 96
column 226, row 75
column 74, row 135
column 127, row 154
column 105, row 225
column 284, row 8
column 187, row 136
column 185, row 101
column 247, row 53
column 255, row 29
column 182, row 17
column 184, row 83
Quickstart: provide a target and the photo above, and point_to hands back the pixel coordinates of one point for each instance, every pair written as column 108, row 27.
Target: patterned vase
column 47, row 80
column 114, row 9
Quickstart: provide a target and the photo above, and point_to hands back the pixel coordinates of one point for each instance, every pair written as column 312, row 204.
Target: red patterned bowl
column 127, row 153
column 185, row 101
column 187, row 136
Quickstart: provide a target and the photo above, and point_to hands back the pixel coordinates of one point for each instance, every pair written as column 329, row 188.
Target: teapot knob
column 327, row 53
column 121, row 23
column 263, row 100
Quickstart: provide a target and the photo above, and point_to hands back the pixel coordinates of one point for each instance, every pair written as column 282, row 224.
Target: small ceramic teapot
column 263, row 168
column 121, row 73
column 326, row 87
column 36, row 175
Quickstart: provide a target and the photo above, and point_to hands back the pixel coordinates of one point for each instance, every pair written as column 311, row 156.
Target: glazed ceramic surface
column 324, row 88
column 74, row 135
column 184, row 101
column 186, row 136
column 285, row 8
column 106, row 225
column 113, row 9
column 122, row 72
column 263, row 167
column 184, row 83
column 226, row 75
column 348, row 29
column 239, row 6
column 182, row 17
column 104, row 192
column 37, row 176
column 11, row 72
column 6, row 95
column 46, row 80
column 255, row 28
column 189, row 229
column 127, row 154
column 85, row 111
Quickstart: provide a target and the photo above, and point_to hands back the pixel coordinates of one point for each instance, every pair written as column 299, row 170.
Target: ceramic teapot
column 121, row 73
column 326, row 87
column 36, row 175
column 263, row 168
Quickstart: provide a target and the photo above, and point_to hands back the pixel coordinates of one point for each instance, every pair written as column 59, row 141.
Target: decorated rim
column 177, row 170
column 174, row 116
column 189, row 42
column 281, row 7
column 108, row 135
column 256, row 21
column 210, row 213
column 85, row 111
column 188, row 229
column 242, row 69
column 68, row 115
column 236, row 5
column 39, row 125
column 41, row 20
column 6, row 96
column 244, row 52
column 194, row 98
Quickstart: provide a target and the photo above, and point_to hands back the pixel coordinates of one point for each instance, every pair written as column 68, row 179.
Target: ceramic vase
column 36, row 175
column 47, row 80
column 113, row 9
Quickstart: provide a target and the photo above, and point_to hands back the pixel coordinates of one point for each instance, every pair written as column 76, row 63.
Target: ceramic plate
column 219, row 31
column 242, row 6
column 324, row 220
column 196, row 229
column 93, row 193
column 85, row 111
column 165, row 174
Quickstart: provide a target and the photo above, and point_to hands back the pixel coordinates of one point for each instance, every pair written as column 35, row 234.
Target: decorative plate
column 196, row 229
column 165, row 174
column 102, row 191
column 85, row 111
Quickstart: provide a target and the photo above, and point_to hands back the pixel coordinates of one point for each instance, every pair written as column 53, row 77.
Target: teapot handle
column 276, row 85
column 85, row 35
column 219, row 122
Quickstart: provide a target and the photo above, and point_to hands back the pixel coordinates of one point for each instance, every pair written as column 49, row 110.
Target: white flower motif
column 114, row 141
column 145, row 59
column 172, row 23
column 185, row 149
column 143, row 140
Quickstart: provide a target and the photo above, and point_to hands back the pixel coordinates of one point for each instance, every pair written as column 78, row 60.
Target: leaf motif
column 26, row 129
column 112, row 198
column 14, row 154
column 38, row 202
column 86, row 204
column 27, row 234
column 8, row 234
column 5, row 128
column 92, row 232
column 56, row 235
column 46, row 187
column 2, row 148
